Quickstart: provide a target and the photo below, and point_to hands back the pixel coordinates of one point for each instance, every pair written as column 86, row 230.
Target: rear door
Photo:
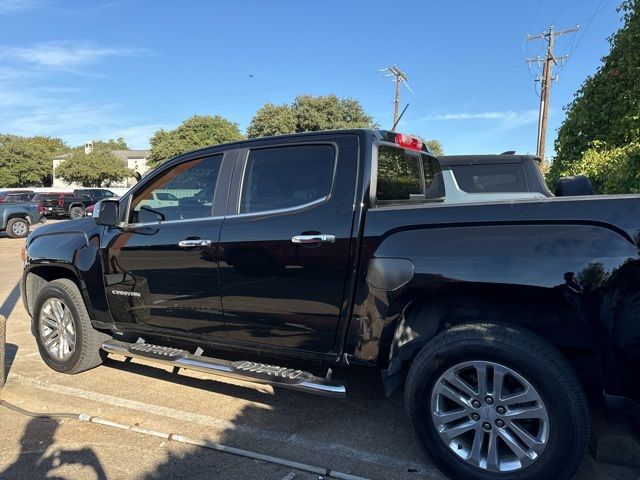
column 162, row 269
column 285, row 242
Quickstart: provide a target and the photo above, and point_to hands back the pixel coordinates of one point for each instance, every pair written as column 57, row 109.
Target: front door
column 161, row 271
column 285, row 242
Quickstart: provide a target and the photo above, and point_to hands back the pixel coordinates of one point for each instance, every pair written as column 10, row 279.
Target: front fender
column 73, row 254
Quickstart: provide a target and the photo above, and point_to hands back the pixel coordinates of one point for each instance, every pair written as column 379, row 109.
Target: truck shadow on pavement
column 10, row 352
column 34, row 460
column 10, row 302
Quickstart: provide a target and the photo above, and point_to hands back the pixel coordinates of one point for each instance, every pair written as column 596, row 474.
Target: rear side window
column 405, row 175
column 494, row 178
column 286, row 177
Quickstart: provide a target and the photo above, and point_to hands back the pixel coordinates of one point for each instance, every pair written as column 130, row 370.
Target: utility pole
column 546, row 79
column 400, row 77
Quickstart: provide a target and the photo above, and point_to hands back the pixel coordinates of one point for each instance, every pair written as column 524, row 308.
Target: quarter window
column 183, row 192
column 286, row 177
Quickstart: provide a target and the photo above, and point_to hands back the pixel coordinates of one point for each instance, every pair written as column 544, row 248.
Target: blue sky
column 86, row 70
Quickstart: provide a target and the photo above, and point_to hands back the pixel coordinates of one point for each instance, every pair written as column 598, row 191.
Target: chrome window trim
column 312, row 143
column 131, row 194
column 281, row 210
column 133, row 226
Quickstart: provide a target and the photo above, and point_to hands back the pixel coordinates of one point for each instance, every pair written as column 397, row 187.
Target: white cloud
column 11, row 6
column 64, row 54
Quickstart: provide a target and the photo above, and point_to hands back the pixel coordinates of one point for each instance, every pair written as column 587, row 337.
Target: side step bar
column 241, row 370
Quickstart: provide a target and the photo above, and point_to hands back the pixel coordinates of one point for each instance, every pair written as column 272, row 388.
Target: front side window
column 183, row 192
column 405, row 175
column 492, row 178
column 286, row 177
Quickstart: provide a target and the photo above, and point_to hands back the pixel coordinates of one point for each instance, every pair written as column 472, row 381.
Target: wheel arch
column 424, row 314
column 39, row 275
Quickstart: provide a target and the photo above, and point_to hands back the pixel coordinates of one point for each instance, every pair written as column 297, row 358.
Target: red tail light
column 60, row 201
column 41, row 208
column 407, row 141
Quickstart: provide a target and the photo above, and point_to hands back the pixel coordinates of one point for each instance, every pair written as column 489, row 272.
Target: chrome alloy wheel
column 19, row 229
column 490, row 416
column 57, row 330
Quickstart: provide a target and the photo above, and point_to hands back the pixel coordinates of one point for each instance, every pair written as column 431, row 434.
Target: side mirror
column 106, row 212
column 574, row 186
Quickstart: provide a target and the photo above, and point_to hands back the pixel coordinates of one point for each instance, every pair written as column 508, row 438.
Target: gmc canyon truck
column 337, row 249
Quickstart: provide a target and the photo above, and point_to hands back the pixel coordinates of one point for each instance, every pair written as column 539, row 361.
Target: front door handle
column 309, row 239
column 194, row 243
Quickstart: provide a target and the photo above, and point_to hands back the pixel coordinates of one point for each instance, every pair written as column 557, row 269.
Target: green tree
column 195, row 132
column 271, row 120
column 309, row 113
column 27, row 161
column 606, row 108
column 99, row 168
column 611, row 170
column 435, row 146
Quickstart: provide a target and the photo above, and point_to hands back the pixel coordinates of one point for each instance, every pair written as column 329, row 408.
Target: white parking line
column 279, row 437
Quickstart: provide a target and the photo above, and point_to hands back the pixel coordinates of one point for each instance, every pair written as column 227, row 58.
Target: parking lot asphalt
column 364, row 434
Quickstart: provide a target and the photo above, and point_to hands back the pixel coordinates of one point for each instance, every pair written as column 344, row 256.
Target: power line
column 546, row 79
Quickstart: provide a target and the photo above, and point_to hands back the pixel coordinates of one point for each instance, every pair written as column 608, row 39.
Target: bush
column 611, row 170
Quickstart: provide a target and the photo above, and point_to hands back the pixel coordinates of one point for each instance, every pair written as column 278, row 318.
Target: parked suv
column 339, row 248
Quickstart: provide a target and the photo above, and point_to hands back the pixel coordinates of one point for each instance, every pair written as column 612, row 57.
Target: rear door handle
column 317, row 238
column 194, row 243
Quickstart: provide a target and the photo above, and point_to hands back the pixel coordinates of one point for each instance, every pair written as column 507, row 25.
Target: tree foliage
column 195, row 132
column 309, row 113
column 611, row 170
column 605, row 113
column 99, row 168
column 27, row 161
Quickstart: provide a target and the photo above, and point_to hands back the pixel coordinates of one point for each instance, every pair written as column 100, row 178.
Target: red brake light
column 407, row 141
column 60, row 201
column 41, row 208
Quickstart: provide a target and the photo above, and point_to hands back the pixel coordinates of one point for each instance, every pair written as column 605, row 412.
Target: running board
column 241, row 370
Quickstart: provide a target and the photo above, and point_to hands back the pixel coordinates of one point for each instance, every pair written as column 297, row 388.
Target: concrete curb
column 3, row 337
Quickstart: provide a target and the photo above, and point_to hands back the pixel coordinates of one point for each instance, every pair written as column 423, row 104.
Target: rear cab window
column 491, row 178
column 407, row 176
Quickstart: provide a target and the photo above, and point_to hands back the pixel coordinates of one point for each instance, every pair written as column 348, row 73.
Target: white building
column 136, row 160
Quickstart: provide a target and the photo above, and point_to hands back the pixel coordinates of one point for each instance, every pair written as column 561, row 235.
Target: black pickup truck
column 337, row 249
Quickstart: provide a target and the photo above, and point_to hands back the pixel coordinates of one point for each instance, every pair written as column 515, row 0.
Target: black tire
column 526, row 354
column 76, row 212
column 17, row 228
column 87, row 353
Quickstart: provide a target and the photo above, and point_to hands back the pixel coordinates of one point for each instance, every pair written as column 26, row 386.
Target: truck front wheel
column 497, row 402
column 67, row 341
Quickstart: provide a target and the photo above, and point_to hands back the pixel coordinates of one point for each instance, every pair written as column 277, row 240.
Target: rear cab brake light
column 409, row 142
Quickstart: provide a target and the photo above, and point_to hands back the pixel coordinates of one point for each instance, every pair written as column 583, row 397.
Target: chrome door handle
column 318, row 238
column 194, row 243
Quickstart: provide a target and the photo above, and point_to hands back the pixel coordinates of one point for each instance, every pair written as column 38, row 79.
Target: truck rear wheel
column 496, row 402
column 17, row 228
column 67, row 341
column 76, row 212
